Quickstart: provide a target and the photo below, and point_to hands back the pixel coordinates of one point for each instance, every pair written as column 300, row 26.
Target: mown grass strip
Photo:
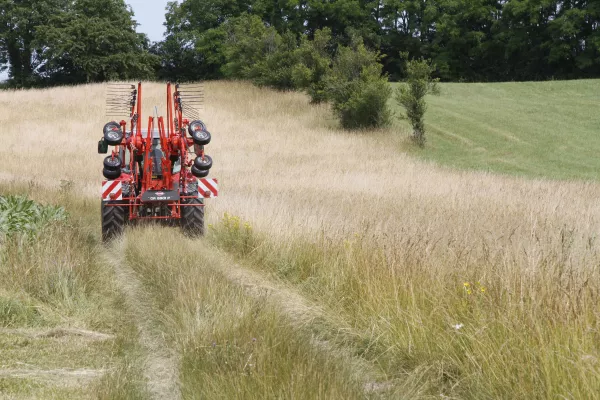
column 59, row 311
column 232, row 345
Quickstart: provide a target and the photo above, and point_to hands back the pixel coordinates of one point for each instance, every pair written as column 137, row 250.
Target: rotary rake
column 158, row 173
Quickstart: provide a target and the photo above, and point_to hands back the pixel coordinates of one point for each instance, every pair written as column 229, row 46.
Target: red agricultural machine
column 158, row 173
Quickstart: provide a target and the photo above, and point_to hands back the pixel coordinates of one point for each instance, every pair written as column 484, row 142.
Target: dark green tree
column 193, row 48
column 411, row 95
column 259, row 53
column 94, row 41
column 19, row 20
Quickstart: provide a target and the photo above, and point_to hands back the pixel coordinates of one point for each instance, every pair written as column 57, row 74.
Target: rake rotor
column 120, row 99
column 190, row 99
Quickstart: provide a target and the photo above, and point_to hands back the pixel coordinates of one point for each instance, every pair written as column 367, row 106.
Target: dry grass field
column 335, row 266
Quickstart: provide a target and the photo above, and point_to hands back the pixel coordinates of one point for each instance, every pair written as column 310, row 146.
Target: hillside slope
column 335, row 263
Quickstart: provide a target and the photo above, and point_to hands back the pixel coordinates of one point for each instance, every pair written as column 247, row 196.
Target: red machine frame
column 174, row 144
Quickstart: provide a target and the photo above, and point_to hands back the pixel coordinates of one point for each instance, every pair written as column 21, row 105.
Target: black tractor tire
column 198, row 173
column 111, row 175
column 113, row 220
column 192, row 218
column 201, row 138
column 196, row 125
column 112, row 163
column 113, row 138
column 203, row 165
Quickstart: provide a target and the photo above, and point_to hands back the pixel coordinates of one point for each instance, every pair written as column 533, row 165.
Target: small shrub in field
column 411, row 95
column 358, row 90
column 233, row 233
column 19, row 215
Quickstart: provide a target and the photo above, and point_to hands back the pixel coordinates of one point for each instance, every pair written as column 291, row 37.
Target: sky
column 150, row 14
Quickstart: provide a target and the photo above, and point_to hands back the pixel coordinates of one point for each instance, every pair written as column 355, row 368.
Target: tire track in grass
column 302, row 313
column 160, row 363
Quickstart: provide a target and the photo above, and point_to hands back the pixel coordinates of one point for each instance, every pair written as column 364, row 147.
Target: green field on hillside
column 539, row 129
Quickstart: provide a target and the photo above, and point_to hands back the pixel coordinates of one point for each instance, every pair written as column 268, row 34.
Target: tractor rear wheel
column 113, row 220
column 192, row 217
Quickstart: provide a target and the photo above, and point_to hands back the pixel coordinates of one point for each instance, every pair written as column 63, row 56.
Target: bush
column 353, row 81
column 411, row 95
column 358, row 89
column 314, row 64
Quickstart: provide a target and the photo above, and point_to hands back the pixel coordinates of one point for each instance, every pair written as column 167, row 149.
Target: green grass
column 535, row 129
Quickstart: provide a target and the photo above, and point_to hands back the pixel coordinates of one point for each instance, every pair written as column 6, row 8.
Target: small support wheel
column 111, row 175
column 203, row 164
column 201, row 138
column 113, row 135
column 113, row 138
column 196, row 125
column 198, row 173
column 112, row 163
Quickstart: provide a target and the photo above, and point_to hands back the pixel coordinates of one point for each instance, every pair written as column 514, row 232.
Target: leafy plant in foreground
column 20, row 215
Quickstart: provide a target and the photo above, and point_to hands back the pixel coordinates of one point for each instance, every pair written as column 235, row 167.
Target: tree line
column 467, row 40
column 73, row 41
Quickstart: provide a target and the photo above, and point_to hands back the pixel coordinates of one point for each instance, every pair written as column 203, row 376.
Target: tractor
column 159, row 173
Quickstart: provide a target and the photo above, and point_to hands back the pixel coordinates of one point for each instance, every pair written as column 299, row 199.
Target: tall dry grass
column 468, row 284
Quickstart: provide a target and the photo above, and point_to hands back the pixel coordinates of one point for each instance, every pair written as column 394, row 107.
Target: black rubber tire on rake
column 112, row 163
column 203, row 165
column 192, row 218
column 196, row 125
column 113, row 221
column 113, row 138
column 199, row 173
column 111, row 126
column 201, row 138
column 110, row 174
